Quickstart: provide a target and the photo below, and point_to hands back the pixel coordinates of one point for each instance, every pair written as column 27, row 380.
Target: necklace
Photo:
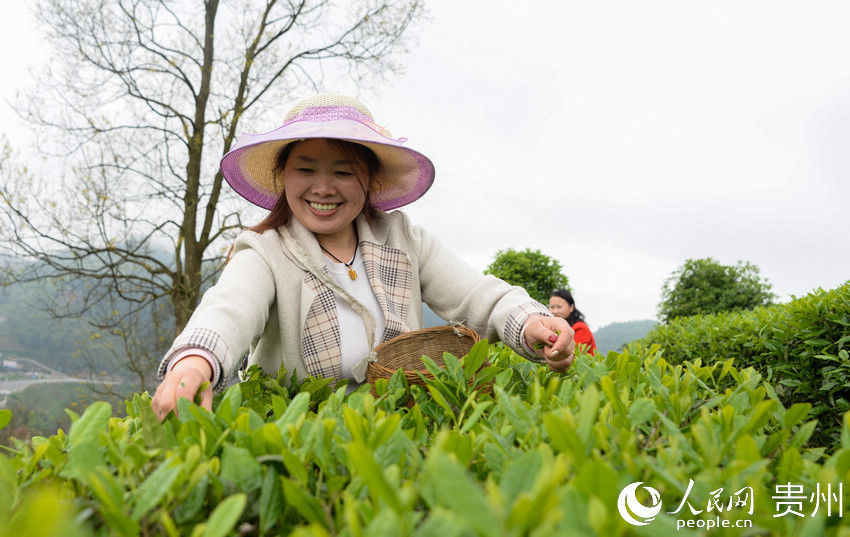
column 351, row 273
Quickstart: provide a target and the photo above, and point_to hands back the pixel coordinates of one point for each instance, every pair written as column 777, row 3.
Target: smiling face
column 325, row 189
column 560, row 307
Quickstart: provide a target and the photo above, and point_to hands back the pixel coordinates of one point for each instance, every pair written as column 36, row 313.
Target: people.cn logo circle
column 634, row 512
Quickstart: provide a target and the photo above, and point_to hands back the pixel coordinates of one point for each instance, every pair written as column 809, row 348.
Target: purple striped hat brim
column 405, row 174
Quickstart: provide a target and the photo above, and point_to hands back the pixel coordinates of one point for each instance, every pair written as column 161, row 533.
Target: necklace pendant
column 352, row 274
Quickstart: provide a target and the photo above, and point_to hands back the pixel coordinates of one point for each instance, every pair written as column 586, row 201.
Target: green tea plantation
column 630, row 443
column 801, row 348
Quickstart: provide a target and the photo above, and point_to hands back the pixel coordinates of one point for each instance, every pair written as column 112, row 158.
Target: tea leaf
column 453, row 368
column 85, row 453
column 520, row 475
column 152, row 429
column 87, row 428
column 240, row 467
column 795, row 414
column 271, row 500
column 296, row 408
column 440, row 400
column 306, row 505
column 641, row 411
column 5, row 417
column 476, row 357
column 225, row 516
column 473, row 418
column 452, row 488
column 154, row 488
column 611, row 394
column 440, row 523
column 563, row 436
column 192, row 502
column 364, row 465
column 588, row 407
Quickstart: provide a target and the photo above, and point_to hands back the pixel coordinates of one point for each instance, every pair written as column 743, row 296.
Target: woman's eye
column 343, row 173
column 304, row 170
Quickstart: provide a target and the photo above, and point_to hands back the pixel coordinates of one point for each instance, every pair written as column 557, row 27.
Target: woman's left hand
column 552, row 339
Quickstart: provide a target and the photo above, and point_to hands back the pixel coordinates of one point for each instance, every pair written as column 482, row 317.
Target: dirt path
column 40, row 366
column 12, row 386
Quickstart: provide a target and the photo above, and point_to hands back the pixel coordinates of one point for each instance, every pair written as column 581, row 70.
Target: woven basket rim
column 415, row 333
column 376, row 370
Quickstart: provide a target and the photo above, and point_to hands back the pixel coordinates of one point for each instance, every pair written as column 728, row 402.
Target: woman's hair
column 576, row 315
column 363, row 157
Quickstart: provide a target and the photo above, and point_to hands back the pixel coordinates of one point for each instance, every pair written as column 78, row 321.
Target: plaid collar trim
column 390, row 274
column 320, row 343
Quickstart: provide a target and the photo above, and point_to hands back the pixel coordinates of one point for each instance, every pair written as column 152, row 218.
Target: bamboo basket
column 405, row 351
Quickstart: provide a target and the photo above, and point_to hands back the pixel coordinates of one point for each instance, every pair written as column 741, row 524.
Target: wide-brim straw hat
column 404, row 175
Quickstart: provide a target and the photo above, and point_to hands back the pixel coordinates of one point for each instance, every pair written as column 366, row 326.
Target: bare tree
column 142, row 99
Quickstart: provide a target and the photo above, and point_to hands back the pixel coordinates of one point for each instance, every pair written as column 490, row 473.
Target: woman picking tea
column 330, row 273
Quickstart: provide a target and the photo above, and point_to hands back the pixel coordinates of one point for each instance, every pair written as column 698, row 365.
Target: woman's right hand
column 184, row 380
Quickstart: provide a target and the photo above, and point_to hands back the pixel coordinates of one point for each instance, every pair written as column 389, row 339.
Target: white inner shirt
column 352, row 329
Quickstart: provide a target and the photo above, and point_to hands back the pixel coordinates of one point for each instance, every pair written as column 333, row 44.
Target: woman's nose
column 323, row 184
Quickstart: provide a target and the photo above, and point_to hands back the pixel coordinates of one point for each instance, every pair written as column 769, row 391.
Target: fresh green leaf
column 364, row 465
column 5, row 417
column 225, row 516
column 641, row 411
column 154, row 488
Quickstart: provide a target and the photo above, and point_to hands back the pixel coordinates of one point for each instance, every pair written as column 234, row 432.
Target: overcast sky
column 620, row 138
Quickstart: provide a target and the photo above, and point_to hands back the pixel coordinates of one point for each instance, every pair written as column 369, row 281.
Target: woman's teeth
column 324, row 206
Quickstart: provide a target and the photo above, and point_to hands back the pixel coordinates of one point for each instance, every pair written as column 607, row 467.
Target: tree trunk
column 133, row 102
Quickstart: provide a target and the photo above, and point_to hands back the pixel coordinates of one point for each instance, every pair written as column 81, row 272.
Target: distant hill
column 613, row 336
column 70, row 345
column 27, row 331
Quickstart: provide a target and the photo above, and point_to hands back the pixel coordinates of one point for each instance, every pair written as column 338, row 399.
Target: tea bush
column 801, row 347
column 511, row 450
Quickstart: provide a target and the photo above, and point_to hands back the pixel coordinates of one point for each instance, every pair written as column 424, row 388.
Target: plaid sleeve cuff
column 528, row 350
column 204, row 339
column 196, row 351
column 515, row 328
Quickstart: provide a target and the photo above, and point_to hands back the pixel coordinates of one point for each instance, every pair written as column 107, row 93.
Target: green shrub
column 512, row 450
column 530, row 269
column 801, row 347
column 703, row 286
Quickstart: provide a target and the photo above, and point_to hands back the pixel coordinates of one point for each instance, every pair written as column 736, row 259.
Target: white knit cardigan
column 271, row 300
